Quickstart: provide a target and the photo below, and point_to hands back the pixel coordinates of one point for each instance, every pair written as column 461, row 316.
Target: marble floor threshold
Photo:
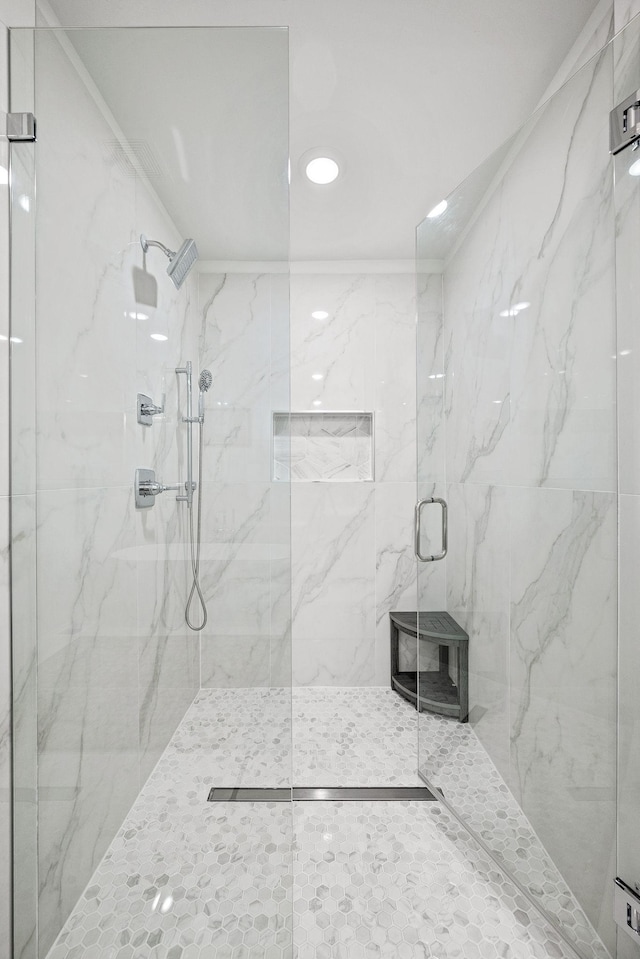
column 188, row 878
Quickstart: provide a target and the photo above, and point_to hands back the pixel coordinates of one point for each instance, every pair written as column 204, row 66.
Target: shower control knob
column 146, row 488
column 146, row 409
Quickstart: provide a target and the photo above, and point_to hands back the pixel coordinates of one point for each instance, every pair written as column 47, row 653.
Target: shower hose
column 195, row 550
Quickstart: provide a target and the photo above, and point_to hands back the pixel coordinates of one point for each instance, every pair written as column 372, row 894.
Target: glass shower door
column 517, row 432
column 125, row 717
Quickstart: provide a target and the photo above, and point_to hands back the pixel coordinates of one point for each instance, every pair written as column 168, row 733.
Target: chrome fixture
column 180, row 263
column 189, row 419
column 626, row 909
column 146, row 409
column 21, row 127
column 204, row 382
column 624, row 123
column 445, row 530
column 146, row 488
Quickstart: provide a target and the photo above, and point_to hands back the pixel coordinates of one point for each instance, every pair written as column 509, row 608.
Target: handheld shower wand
column 204, row 383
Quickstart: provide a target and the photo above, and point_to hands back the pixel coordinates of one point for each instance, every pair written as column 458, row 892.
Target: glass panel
column 171, row 133
column 517, row 431
column 627, row 205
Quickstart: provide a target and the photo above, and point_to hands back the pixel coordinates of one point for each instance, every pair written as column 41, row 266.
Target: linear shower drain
column 323, row 793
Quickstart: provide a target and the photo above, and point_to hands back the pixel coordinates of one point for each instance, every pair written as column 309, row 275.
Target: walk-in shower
column 130, row 711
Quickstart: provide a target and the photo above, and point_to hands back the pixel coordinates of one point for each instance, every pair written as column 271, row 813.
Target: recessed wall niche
column 327, row 447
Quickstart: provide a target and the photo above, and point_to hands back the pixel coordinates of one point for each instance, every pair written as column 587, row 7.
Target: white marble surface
column 352, row 548
column 333, row 588
column 629, row 694
column 235, row 312
column 5, row 635
column 5, row 729
column 243, row 339
column 329, row 447
column 430, row 377
column 88, row 713
column 534, row 395
column 625, row 11
column 530, row 406
column 195, row 876
column 116, row 666
column 395, row 576
column 478, row 597
column 563, row 682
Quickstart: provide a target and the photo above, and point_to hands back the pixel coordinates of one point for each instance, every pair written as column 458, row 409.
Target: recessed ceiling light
column 317, row 376
column 25, row 203
column 158, row 336
column 319, row 314
column 322, row 170
column 521, row 306
column 138, row 316
column 317, row 402
column 438, row 210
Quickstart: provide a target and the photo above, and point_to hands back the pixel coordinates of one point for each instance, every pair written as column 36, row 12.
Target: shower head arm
column 145, row 244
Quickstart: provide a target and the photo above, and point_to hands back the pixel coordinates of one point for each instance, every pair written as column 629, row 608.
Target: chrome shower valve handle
column 146, row 488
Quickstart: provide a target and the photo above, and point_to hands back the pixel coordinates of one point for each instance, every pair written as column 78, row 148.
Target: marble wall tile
column 629, row 693
column 236, row 661
column 539, row 409
column 112, row 581
column 364, row 350
column 5, row 622
column 340, row 347
column 563, row 681
column 430, row 432
column 25, row 732
column 333, row 588
column 395, row 399
column 624, row 12
column 87, row 687
column 478, row 598
column 396, row 585
column 85, row 339
column 168, row 667
column 5, row 727
column 308, row 447
column 235, row 344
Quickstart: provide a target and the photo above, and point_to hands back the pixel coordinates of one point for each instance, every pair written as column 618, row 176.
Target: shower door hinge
column 624, row 123
column 626, row 909
column 21, row 127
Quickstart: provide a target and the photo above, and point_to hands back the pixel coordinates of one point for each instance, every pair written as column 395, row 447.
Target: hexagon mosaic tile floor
column 187, row 879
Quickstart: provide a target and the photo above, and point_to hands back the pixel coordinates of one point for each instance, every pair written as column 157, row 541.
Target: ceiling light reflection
column 322, row 170
column 158, row 336
column 438, row 210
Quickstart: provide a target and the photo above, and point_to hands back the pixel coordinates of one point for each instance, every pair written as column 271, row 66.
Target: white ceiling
column 410, row 94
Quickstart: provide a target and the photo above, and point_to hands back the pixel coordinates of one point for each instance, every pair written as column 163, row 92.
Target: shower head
column 205, row 381
column 179, row 263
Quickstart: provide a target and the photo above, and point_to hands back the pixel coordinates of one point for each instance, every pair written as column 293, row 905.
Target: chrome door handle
column 445, row 531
